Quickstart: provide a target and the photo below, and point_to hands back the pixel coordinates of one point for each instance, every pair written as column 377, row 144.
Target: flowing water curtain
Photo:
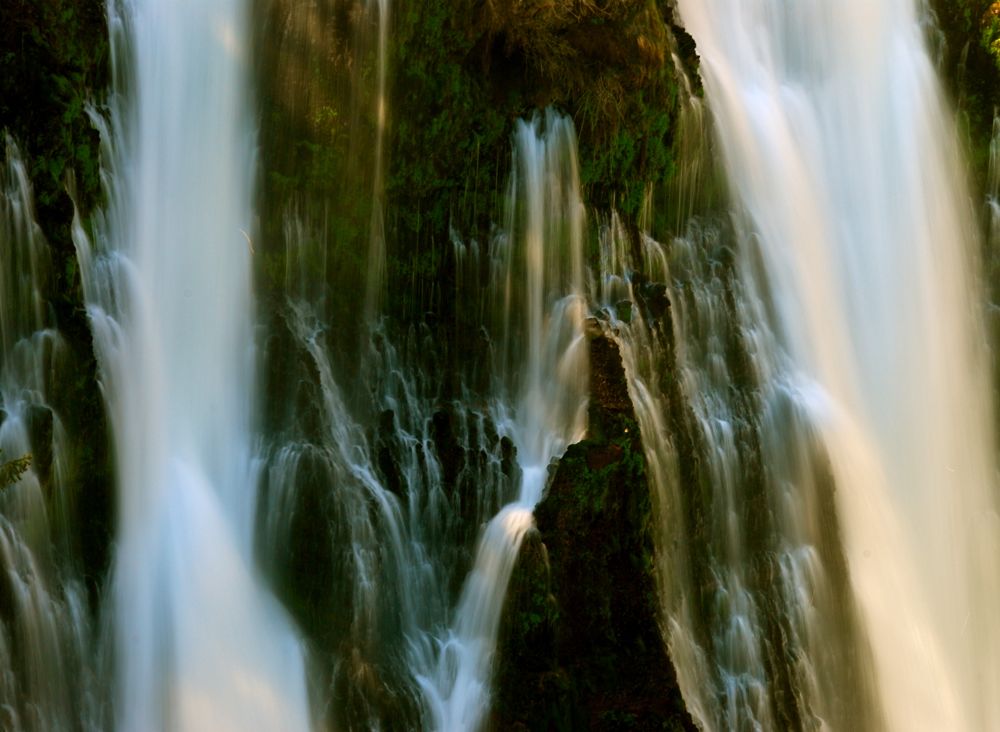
column 862, row 257
column 770, row 588
column 375, row 484
column 167, row 284
column 536, row 308
column 991, row 253
column 749, row 562
column 390, row 511
column 404, row 470
column 322, row 78
column 388, row 472
column 49, row 676
column 337, row 544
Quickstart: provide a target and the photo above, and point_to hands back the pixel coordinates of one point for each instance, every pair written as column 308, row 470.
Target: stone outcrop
column 580, row 644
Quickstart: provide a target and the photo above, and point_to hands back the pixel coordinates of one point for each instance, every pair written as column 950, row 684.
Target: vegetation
column 970, row 33
column 461, row 72
column 462, row 78
column 53, row 60
column 11, row 471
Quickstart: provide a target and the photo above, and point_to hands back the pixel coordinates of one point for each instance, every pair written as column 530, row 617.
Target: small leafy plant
column 11, row 471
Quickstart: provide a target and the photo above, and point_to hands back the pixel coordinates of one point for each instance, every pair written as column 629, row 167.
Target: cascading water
column 808, row 379
column 406, row 496
column 540, row 401
column 48, row 675
column 759, row 618
column 200, row 645
column 839, row 153
column 991, row 253
column 409, row 495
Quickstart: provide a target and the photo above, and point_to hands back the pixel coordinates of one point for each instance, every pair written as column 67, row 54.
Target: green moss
column 53, row 59
column 465, row 71
column 450, row 135
column 989, row 29
column 971, row 69
column 461, row 72
column 464, row 78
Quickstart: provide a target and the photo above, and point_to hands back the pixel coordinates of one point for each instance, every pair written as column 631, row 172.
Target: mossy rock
column 580, row 641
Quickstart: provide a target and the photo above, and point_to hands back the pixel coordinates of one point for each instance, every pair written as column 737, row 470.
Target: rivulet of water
column 430, row 480
column 540, row 395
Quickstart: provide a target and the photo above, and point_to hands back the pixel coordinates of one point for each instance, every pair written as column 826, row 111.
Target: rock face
column 580, row 646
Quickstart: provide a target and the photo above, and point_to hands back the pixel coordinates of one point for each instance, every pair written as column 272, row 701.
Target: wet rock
column 385, row 455
column 653, row 296
column 623, row 310
column 508, row 456
column 529, row 678
column 592, row 327
column 39, row 422
column 309, row 578
column 450, row 454
column 580, row 645
column 608, row 388
column 366, row 700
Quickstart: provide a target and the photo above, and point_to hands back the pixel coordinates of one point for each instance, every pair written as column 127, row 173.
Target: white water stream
column 200, row 645
column 536, row 289
column 844, row 163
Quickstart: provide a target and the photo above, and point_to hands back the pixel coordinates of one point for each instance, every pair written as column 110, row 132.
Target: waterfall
column 413, row 469
column 759, row 618
column 49, row 669
column 541, row 381
column 328, row 455
column 857, row 250
column 199, row 643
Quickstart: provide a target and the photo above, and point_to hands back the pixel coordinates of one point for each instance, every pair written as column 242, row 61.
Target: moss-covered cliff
column 464, row 71
column 461, row 72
